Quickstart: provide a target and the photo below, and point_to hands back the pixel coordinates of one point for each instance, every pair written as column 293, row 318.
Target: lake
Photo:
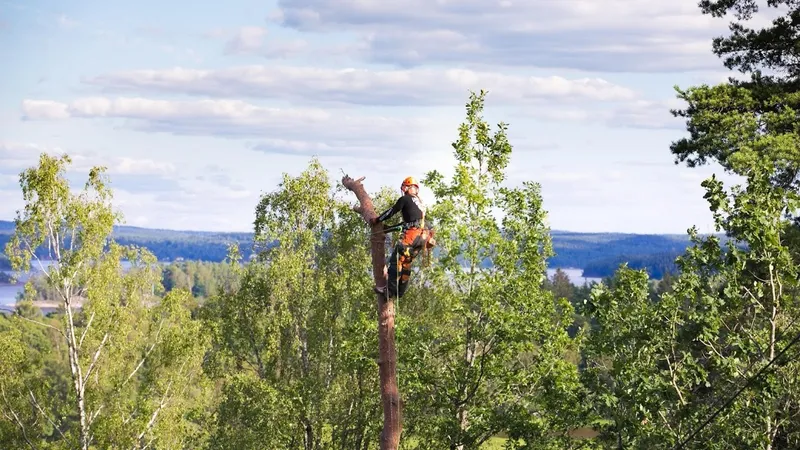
column 575, row 276
column 8, row 293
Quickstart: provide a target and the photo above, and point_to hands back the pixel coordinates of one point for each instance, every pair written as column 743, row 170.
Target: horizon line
column 552, row 230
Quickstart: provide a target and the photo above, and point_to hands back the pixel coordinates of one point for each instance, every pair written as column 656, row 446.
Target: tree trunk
column 77, row 373
column 771, row 431
column 387, row 359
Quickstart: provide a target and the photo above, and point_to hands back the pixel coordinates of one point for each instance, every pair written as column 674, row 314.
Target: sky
column 197, row 109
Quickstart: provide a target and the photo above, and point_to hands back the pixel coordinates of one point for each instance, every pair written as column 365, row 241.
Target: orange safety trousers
column 411, row 242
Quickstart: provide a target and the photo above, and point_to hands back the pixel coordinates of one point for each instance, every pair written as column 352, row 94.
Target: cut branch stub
column 367, row 211
column 365, row 206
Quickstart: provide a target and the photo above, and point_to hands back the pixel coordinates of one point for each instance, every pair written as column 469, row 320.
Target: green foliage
column 738, row 126
column 673, row 361
column 563, row 289
column 773, row 47
column 659, row 365
column 478, row 346
column 122, row 366
column 26, row 357
column 655, row 265
column 742, row 122
column 280, row 351
column 295, row 333
column 202, row 279
column 253, row 415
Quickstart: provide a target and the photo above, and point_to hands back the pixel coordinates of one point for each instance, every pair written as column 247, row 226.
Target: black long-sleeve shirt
column 410, row 206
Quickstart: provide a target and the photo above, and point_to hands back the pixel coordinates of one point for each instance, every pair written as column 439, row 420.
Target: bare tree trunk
column 777, row 292
column 387, row 359
column 77, row 373
column 771, row 431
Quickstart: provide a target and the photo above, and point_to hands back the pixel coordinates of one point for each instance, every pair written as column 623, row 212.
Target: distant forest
column 598, row 254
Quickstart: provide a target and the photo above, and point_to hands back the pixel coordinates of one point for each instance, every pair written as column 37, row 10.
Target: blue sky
column 197, row 108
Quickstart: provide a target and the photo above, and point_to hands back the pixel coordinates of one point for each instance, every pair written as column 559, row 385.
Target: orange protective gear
column 409, row 181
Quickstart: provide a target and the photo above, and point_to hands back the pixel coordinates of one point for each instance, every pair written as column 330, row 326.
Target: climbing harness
column 402, row 226
column 413, row 239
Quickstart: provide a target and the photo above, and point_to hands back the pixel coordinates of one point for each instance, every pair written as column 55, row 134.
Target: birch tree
column 133, row 359
column 292, row 341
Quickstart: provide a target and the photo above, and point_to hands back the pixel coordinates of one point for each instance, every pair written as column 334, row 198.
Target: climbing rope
column 397, row 284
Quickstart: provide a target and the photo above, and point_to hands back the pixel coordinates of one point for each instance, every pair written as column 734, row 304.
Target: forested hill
column 599, row 254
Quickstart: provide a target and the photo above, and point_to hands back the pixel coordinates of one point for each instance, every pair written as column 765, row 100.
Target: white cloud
column 648, row 114
column 363, row 86
column 141, row 167
column 44, row 109
column 634, row 114
column 613, row 35
column 283, row 49
column 10, row 202
column 238, row 119
column 250, row 40
column 15, row 157
column 247, row 39
column 203, row 211
column 579, row 34
column 569, row 177
column 383, row 121
column 149, row 192
column 573, row 177
column 11, row 150
column 208, row 192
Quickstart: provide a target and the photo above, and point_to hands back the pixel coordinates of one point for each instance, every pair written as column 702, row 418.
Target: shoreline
column 41, row 304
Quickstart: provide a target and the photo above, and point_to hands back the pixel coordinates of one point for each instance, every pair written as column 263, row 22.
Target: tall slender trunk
column 309, row 430
column 772, row 332
column 777, row 292
column 305, row 370
column 462, row 414
column 76, row 371
column 387, row 359
column 463, row 423
column 390, row 394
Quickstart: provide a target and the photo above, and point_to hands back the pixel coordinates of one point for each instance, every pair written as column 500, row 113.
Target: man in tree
column 413, row 239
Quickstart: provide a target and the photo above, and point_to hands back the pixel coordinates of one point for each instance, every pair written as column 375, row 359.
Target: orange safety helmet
column 409, row 181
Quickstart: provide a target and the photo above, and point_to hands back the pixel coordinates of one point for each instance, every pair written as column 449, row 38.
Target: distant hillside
column 194, row 245
column 168, row 244
column 599, row 254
